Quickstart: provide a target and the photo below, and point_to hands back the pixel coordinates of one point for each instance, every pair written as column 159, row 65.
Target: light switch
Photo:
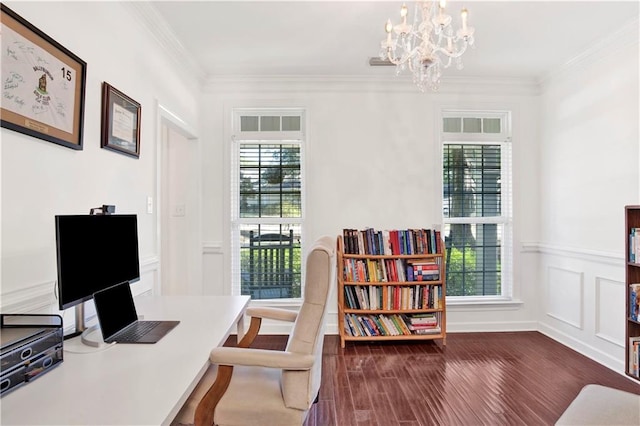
column 149, row 205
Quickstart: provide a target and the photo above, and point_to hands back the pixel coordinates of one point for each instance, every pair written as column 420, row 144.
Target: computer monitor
column 94, row 252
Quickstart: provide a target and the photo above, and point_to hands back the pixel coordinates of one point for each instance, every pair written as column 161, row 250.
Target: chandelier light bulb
column 443, row 4
column 464, row 14
column 403, row 12
column 388, row 27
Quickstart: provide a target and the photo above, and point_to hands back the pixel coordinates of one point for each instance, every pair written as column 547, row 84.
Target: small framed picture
column 120, row 122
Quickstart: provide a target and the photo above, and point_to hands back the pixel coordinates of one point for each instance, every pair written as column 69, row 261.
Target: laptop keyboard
column 133, row 334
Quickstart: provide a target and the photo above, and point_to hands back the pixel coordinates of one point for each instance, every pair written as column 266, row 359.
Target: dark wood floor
column 522, row 378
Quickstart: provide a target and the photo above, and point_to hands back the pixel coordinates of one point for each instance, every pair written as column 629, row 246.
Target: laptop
column 119, row 320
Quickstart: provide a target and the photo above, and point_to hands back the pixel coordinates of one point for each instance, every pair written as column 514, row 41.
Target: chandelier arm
column 448, row 54
column 451, row 54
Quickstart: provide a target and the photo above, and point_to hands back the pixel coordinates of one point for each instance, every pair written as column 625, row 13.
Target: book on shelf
column 634, row 245
column 634, row 356
column 391, row 242
column 372, row 325
column 423, row 318
column 389, row 270
column 436, row 330
column 634, row 301
column 400, row 297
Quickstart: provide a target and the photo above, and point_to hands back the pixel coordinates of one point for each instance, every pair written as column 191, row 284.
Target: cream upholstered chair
column 267, row 387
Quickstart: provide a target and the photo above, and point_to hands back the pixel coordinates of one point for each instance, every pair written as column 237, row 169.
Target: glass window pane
column 471, row 180
column 473, row 259
column 269, row 124
column 491, row 125
column 291, row 123
column 452, row 124
column 248, row 123
column 270, row 181
column 270, row 261
column 471, row 125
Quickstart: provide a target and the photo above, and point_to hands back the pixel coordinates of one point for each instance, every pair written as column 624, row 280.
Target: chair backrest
column 299, row 388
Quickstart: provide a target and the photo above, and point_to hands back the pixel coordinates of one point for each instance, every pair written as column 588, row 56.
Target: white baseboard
column 331, row 327
column 589, row 351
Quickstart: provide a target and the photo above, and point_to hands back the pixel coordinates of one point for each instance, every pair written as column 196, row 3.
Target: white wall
column 373, row 159
column 41, row 179
column 589, row 150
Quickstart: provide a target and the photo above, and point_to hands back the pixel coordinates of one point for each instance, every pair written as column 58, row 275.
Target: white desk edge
column 76, row 392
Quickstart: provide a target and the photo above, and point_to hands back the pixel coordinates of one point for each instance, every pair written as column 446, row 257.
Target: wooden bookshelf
column 393, row 289
column 632, row 274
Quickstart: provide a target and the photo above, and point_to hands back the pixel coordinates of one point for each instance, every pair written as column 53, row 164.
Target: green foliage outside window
column 465, row 277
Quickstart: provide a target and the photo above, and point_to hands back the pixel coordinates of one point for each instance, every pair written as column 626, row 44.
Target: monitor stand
column 89, row 336
column 92, row 336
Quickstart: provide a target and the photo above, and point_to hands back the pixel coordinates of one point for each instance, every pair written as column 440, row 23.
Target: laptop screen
column 115, row 309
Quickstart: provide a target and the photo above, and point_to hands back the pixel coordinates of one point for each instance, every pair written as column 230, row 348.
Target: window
column 267, row 203
column 477, row 203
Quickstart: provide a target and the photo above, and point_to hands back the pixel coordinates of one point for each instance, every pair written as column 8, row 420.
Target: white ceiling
column 335, row 38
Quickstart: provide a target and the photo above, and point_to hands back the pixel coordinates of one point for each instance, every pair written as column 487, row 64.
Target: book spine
column 634, row 302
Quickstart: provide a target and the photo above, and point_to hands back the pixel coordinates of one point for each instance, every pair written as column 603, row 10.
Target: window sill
column 482, row 304
column 276, row 303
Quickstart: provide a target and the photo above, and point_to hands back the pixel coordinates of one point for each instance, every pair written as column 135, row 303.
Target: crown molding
column 354, row 84
column 626, row 36
column 145, row 13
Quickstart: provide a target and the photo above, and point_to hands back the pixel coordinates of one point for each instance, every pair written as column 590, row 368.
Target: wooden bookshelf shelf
column 632, row 297
column 391, row 285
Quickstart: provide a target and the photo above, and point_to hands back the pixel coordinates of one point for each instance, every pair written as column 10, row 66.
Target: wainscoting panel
column 32, row 299
column 608, row 295
column 565, row 296
column 582, row 300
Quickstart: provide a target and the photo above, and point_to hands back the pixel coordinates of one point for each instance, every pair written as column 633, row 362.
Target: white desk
column 131, row 384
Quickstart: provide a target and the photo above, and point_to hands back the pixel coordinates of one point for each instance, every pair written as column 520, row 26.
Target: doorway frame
column 164, row 116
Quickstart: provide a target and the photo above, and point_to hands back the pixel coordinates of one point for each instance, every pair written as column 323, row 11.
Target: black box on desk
column 30, row 346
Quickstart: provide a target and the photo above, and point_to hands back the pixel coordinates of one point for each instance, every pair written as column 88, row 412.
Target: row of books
column 634, row 245
column 391, row 242
column 391, row 325
column 634, row 356
column 389, row 297
column 390, row 270
column 634, row 301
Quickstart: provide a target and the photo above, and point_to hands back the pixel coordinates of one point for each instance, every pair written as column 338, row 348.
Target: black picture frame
column 45, row 100
column 120, row 122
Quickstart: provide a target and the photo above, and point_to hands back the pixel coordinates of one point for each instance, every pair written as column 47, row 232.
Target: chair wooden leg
column 207, row 406
column 251, row 334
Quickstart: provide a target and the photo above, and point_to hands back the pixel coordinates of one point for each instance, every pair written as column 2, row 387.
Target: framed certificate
column 120, row 122
column 43, row 84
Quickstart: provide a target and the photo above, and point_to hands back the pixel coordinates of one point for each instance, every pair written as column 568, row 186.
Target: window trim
column 506, row 218
column 235, row 221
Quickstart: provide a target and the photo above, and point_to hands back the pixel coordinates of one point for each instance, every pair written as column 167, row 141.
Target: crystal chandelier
column 427, row 46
